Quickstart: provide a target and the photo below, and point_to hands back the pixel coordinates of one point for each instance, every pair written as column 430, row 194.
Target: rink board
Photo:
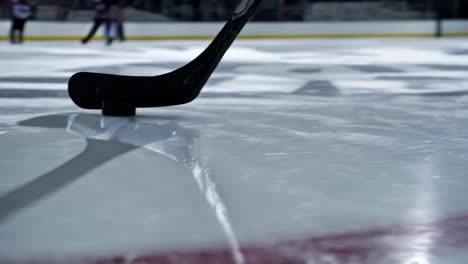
column 43, row 31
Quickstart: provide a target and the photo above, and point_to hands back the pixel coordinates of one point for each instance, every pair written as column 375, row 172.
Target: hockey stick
column 120, row 95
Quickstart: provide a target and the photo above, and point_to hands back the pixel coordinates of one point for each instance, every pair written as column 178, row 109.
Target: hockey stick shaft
column 92, row 90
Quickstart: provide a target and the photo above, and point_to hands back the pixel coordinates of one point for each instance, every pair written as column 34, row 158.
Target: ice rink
column 297, row 151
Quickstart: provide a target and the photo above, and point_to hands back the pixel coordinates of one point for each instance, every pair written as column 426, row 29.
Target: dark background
column 271, row 10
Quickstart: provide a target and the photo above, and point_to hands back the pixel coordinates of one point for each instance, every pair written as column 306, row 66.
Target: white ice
column 289, row 140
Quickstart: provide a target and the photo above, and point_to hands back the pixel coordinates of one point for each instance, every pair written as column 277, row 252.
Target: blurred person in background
column 120, row 21
column 21, row 12
column 102, row 16
column 113, row 26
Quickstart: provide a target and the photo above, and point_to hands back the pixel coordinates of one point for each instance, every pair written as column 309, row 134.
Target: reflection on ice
column 161, row 137
column 110, row 137
column 208, row 188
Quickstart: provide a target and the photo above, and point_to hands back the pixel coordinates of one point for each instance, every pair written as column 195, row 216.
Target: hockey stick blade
column 120, row 95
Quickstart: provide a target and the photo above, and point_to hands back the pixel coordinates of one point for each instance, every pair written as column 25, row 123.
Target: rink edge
column 160, row 38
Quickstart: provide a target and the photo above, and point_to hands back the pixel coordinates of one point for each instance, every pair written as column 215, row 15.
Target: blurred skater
column 120, row 16
column 114, row 28
column 102, row 16
column 20, row 14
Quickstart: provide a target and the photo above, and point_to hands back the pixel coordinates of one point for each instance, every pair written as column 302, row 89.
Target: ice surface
column 304, row 151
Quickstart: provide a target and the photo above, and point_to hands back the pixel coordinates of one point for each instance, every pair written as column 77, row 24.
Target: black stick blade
column 120, row 95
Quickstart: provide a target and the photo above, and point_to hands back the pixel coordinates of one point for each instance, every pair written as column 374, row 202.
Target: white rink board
column 52, row 29
column 455, row 26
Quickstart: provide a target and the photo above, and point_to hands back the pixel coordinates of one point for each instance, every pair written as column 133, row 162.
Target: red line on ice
column 384, row 245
